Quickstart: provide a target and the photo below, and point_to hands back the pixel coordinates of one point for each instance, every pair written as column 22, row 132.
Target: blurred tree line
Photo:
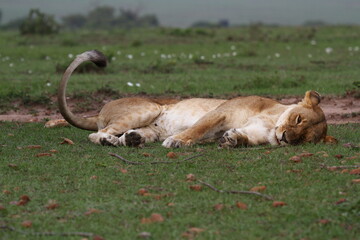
column 104, row 17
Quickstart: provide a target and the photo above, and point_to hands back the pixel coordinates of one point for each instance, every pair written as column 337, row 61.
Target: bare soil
column 338, row 110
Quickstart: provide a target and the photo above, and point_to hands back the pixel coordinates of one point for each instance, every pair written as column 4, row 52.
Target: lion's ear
column 311, row 99
column 330, row 140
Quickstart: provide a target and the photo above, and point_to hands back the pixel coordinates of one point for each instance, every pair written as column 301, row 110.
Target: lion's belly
column 178, row 117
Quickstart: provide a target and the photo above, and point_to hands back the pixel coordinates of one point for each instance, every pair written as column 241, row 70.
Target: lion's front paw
column 110, row 140
column 173, row 142
column 132, row 139
column 233, row 138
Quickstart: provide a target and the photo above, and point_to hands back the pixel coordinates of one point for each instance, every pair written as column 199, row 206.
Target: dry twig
column 63, row 234
column 156, row 162
column 267, row 197
column 341, row 166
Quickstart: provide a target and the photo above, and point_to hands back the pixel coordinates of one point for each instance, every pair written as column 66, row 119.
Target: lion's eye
column 298, row 119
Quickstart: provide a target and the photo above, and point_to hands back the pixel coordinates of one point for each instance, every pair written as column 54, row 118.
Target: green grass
column 310, row 192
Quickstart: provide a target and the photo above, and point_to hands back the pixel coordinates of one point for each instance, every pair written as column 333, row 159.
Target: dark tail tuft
column 98, row 58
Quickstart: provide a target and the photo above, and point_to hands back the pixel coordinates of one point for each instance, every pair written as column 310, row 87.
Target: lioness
column 241, row 121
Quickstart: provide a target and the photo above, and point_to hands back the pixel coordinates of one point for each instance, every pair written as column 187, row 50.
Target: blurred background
column 185, row 13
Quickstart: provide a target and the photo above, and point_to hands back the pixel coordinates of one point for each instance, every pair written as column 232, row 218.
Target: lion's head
column 304, row 122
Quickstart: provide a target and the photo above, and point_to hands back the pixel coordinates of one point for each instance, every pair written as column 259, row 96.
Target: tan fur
column 240, row 121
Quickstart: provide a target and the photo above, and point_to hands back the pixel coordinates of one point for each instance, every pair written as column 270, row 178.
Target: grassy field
column 81, row 188
column 219, row 62
column 82, row 177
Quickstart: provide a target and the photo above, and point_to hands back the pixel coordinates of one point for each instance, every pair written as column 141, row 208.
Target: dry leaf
column 24, row 199
column 218, row 206
column 197, row 188
column 123, row 170
column 52, row 204
column 53, row 151
column 43, row 154
column 155, row 217
column 144, row 235
column 356, row 180
column 91, row 211
column 355, row 171
column 339, row 156
column 258, row 189
column 67, row 141
column 94, row 177
column 341, row 200
column 170, row 204
column 13, row 166
column 278, row 204
column 171, row 155
column 241, row 205
column 295, row 159
column 324, row 221
column 6, row 192
column 34, row 146
column 97, row 237
column 143, row 192
column 190, row 177
column 306, row 154
column 145, row 154
column 26, row 224
column 196, row 230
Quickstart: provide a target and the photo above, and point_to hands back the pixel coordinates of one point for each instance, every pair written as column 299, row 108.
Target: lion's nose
column 283, row 138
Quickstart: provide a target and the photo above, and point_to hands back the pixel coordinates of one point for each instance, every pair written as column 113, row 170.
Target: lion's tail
column 84, row 123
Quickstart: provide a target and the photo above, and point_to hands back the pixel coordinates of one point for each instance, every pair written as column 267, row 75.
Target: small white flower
column 11, row 65
column 218, row 55
column 142, row 54
column 214, row 56
column 268, row 57
column 313, row 42
column 138, row 84
column 234, row 54
column 48, row 84
column 277, row 55
column 169, row 56
column 350, row 49
column 190, row 56
column 47, row 58
column 113, row 58
column 129, row 56
column 309, row 55
column 328, row 50
column 70, row 55
column 233, row 47
column 22, row 59
column 202, row 57
column 30, row 72
column 118, row 52
column 130, row 84
column 163, row 56
column 356, row 49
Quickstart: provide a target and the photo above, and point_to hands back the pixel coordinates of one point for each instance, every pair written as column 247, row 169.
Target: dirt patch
column 337, row 110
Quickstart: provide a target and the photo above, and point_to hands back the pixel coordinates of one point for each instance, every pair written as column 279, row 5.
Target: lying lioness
column 241, row 121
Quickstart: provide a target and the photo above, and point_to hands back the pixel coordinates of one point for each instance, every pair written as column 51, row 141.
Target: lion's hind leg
column 207, row 125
